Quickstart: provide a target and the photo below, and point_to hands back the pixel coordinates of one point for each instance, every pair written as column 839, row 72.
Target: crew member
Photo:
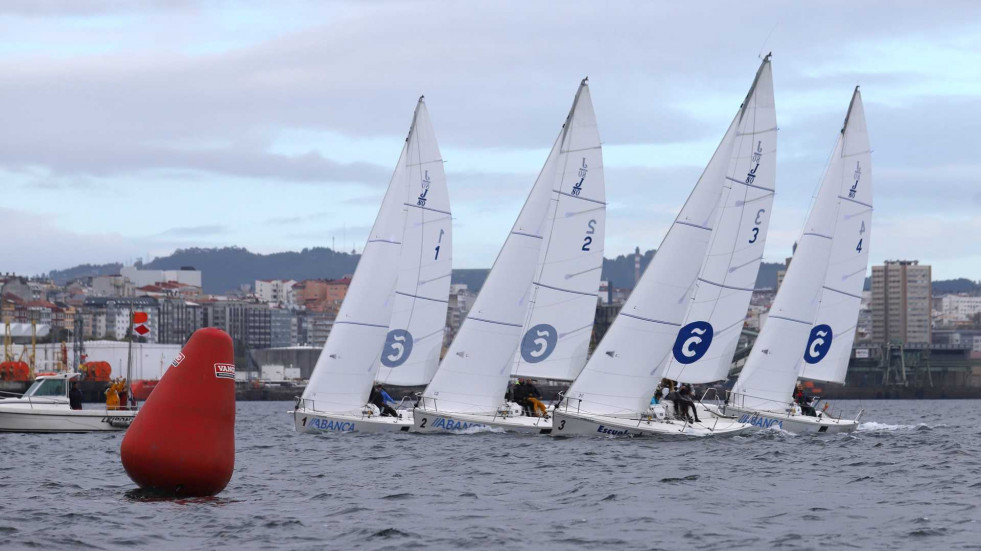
column 75, row 396
column 112, row 397
column 688, row 409
column 533, row 396
column 804, row 401
column 382, row 400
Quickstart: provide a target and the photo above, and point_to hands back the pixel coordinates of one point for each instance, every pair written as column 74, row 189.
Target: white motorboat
column 534, row 315
column 392, row 320
column 45, row 407
column 811, row 326
column 718, row 235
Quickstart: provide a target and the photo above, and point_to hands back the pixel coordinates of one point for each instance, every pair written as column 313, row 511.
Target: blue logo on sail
column 818, row 344
column 398, row 346
column 538, row 343
column 693, row 342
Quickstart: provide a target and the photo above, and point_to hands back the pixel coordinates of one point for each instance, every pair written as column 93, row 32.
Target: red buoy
column 182, row 442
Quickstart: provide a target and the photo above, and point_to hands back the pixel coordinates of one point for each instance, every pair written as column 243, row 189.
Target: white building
column 275, row 291
column 140, row 278
column 958, row 308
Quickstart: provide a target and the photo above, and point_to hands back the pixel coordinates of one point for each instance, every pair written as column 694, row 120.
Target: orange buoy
column 182, row 441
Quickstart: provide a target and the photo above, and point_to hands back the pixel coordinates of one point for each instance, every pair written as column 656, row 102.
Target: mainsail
column 474, row 374
column 415, row 338
column 559, row 323
column 826, row 358
column 342, row 377
column 837, row 225
column 620, row 377
column 707, row 340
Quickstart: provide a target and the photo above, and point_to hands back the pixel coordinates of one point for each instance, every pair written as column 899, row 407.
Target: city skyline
column 137, row 130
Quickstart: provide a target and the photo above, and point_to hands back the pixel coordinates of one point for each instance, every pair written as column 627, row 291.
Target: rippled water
column 909, row 478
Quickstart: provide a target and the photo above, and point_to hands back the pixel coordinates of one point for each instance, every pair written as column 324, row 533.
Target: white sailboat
column 534, row 315
column 387, row 318
column 811, row 326
column 706, row 343
column 612, row 394
column 45, row 407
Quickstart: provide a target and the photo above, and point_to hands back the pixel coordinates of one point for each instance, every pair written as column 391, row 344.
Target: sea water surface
column 909, row 478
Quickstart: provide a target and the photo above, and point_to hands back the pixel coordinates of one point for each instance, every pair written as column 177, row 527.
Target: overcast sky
column 130, row 131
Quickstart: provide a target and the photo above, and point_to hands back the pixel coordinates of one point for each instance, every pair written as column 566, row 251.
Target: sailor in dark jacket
column 75, row 396
column 382, row 400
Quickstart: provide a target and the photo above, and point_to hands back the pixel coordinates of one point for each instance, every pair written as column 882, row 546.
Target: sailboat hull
column 428, row 421
column 569, row 423
column 798, row 424
column 311, row 421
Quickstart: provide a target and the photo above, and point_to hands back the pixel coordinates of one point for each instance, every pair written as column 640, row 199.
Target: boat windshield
column 48, row 387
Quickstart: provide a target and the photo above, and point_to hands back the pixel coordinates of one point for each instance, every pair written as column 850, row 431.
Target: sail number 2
column 756, row 229
column 588, row 240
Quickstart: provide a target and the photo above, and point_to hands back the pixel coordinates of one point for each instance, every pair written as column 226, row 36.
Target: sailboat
column 387, row 316
column 612, row 395
column 534, row 315
column 706, row 343
column 811, row 325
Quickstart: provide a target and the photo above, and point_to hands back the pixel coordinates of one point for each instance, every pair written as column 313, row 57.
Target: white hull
column 791, row 423
column 311, row 421
column 54, row 419
column 570, row 423
column 429, row 421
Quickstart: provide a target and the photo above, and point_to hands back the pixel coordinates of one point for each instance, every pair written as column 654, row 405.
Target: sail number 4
column 588, row 240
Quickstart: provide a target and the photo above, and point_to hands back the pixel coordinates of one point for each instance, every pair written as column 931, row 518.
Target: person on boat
column 688, row 410
column 533, row 396
column 382, row 401
column 75, row 396
column 123, row 394
column 519, row 395
column 112, row 397
column 804, row 401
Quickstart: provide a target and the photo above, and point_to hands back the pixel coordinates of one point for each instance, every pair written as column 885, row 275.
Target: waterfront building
column 109, row 317
column 901, row 300
column 278, row 292
column 957, row 309
column 139, row 277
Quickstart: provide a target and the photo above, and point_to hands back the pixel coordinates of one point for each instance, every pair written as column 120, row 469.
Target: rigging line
column 725, row 287
column 421, row 297
column 750, row 185
column 789, row 319
column 429, row 209
column 518, row 325
column 839, row 291
column 693, row 225
column 360, row 323
column 580, row 149
column 384, row 241
column 580, row 197
column 843, row 198
column 533, row 236
column 814, row 234
column 564, row 290
column 755, row 132
column 570, row 276
column 650, row 319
